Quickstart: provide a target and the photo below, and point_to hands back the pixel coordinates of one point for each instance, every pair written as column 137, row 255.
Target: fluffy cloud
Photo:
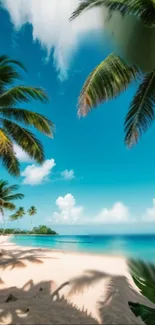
column 68, row 174
column 150, row 213
column 35, row 175
column 21, row 154
column 68, row 211
column 118, row 213
column 51, row 26
column 71, row 213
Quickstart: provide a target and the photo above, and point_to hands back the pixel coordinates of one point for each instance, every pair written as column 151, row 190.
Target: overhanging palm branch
column 7, row 154
column 142, row 9
column 141, row 112
column 107, row 81
column 11, row 131
column 25, row 139
column 19, row 94
column 143, row 275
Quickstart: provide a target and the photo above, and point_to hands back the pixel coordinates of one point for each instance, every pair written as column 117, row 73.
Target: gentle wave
column 140, row 246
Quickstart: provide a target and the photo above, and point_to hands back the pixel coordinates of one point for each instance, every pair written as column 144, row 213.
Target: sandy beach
column 97, row 288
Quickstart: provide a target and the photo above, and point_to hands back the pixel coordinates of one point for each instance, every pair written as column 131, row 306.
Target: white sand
column 45, row 270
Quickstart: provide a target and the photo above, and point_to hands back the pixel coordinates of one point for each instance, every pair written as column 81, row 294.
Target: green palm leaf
column 141, row 113
column 40, row 122
column 9, row 206
column 5, row 60
column 147, row 314
column 9, row 131
column 143, row 9
column 143, row 275
column 14, row 197
column 106, row 81
column 7, row 155
column 25, row 139
column 13, row 217
column 21, row 94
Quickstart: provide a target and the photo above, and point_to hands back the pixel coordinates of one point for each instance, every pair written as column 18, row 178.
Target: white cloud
column 68, row 211
column 34, row 175
column 118, row 213
column 51, row 26
column 21, row 154
column 150, row 213
column 68, row 174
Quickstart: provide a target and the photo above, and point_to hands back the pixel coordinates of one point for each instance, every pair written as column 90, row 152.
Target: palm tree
column 18, row 214
column 7, row 197
column 32, row 211
column 12, row 116
column 113, row 75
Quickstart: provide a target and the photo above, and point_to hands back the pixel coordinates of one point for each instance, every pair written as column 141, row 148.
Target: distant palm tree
column 7, row 196
column 18, row 214
column 10, row 131
column 32, row 211
column 113, row 75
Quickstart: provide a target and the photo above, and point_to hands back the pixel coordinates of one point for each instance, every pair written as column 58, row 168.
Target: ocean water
column 134, row 246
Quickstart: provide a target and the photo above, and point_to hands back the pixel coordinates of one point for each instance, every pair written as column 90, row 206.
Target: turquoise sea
column 135, row 246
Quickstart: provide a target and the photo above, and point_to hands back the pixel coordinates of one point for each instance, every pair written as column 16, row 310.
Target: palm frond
column 20, row 212
column 13, row 217
column 106, row 81
column 25, row 139
column 21, row 94
column 7, row 75
column 141, row 112
column 7, row 155
column 9, row 206
column 3, row 184
column 6, row 190
column 14, row 197
column 39, row 121
column 5, row 60
column 147, row 314
column 143, row 275
column 32, row 210
column 142, row 9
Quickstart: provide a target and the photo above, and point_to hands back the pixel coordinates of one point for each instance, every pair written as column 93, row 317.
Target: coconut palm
column 32, row 211
column 18, row 214
column 114, row 75
column 12, row 117
column 7, row 197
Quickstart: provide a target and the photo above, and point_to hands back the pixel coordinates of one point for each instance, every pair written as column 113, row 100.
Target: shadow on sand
column 43, row 303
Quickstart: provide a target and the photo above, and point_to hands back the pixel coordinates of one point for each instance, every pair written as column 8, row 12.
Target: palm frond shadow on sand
column 18, row 258
column 113, row 306
column 33, row 304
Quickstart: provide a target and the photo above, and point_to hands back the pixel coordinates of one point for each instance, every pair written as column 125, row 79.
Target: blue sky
column 89, row 176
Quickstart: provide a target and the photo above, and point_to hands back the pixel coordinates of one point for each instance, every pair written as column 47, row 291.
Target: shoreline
column 71, row 252
column 32, row 274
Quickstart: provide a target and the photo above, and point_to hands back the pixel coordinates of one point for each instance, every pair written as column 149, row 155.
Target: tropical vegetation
column 8, row 194
column 143, row 275
column 41, row 230
column 32, row 211
column 113, row 75
column 13, row 117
